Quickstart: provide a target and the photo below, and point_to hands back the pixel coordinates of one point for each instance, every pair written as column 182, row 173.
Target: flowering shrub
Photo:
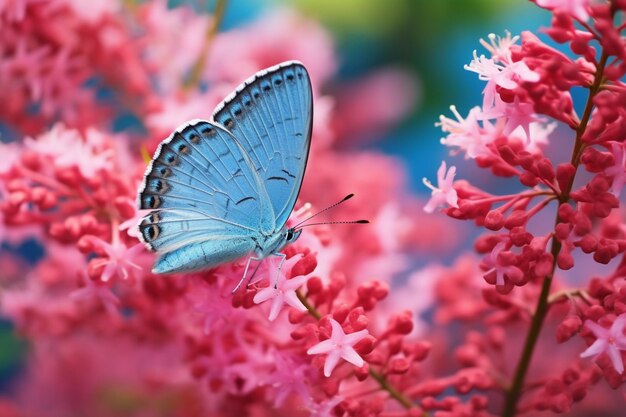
column 335, row 336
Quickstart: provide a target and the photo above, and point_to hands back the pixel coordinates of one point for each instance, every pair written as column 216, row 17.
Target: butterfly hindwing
column 200, row 185
column 271, row 116
column 205, row 252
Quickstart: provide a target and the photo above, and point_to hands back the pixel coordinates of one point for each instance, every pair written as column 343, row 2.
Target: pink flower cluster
column 547, row 242
column 338, row 332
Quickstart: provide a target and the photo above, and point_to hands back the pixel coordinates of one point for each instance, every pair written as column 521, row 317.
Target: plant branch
column 513, row 394
column 379, row 377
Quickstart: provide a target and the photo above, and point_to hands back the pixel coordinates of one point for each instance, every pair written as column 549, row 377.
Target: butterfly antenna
column 339, row 222
column 348, row 197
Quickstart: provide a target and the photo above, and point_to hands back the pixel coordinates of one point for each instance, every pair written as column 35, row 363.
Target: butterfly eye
column 289, row 234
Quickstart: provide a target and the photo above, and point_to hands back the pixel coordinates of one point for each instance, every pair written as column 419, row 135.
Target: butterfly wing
column 208, row 202
column 271, row 115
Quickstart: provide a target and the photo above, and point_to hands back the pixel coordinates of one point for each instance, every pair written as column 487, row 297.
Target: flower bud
column 568, row 328
column 494, row 220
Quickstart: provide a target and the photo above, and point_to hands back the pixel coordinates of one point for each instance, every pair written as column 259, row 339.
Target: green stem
column 385, row 385
column 196, row 72
column 543, row 305
column 380, row 378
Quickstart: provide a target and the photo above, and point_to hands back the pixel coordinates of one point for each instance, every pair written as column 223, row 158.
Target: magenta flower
column 499, row 268
column 283, row 291
column 499, row 74
column 610, row 341
column 339, row 346
column 500, row 46
column 119, row 259
column 467, row 134
column 444, row 194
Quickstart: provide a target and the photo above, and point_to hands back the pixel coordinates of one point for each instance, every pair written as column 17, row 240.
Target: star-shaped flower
column 467, row 133
column 444, row 193
column 98, row 290
column 339, row 346
column 119, row 258
column 282, row 292
column 610, row 341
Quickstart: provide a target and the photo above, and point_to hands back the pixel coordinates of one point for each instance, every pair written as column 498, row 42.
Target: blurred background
column 432, row 40
column 429, row 40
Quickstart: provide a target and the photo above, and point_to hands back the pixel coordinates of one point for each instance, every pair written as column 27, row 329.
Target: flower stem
column 380, row 378
column 196, row 72
column 541, row 311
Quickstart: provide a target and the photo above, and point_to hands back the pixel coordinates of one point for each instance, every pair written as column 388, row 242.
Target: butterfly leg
column 245, row 272
column 282, row 257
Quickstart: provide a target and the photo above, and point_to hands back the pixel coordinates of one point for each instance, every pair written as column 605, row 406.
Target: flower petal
column 596, row 348
column 616, row 358
column 264, row 295
column 324, row 346
column 331, row 362
column 350, row 355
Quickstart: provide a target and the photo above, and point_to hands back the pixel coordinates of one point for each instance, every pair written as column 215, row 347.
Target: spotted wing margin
column 271, row 115
column 201, row 184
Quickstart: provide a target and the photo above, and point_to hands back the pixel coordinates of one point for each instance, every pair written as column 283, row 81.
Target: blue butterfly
column 223, row 189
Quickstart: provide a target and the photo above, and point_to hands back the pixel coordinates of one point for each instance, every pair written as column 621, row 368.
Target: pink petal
column 599, row 331
column 350, row 355
column 264, row 295
column 277, row 306
column 441, row 172
column 337, row 331
column 109, row 271
column 452, row 198
column 353, row 338
column 292, row 299
column 324, row 346
column 616, row 359
column 434, row 202
column 331, row 362
column 596, row 348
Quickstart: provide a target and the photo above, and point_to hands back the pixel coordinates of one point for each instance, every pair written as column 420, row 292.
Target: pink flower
column 98, row 290
column 132, row 225
column 69, row 148
column 467, row 134
column 500, row 268
column 610, row 341
column 444, row 194
column 500, row 47
column 324, row 408
column 514, row 115
column 503, row 74
column 289, row 377
column 577, row 8
column 283, row 291
column 339, row 346
column 120, row 259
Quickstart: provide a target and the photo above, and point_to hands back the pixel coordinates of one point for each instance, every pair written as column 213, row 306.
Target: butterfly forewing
column 271, row 116
column 201, row 185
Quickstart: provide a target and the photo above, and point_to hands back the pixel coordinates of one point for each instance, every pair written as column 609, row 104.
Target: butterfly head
column 292, row 234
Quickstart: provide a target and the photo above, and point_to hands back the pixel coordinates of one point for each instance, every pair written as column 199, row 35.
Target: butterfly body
column 223, row 189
